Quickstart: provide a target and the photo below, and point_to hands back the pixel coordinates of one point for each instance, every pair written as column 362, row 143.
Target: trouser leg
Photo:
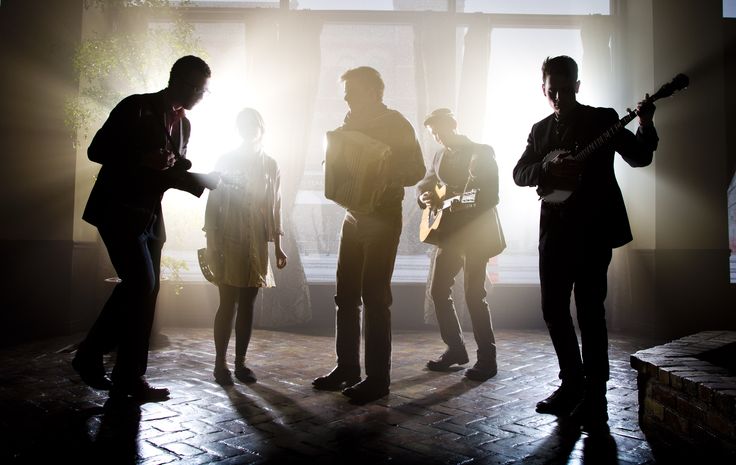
column 590, row 294
column 556, row 281
column 347, row 298
column 447, row 264
column 480, row 315
column 380, row 256
column 137, row 262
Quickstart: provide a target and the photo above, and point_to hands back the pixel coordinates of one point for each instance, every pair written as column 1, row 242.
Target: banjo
column 563, row 188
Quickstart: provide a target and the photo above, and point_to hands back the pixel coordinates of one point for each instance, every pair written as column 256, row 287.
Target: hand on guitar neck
column 645, row 111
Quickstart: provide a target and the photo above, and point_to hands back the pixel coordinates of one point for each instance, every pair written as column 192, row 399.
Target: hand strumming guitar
column 431, row 200
column 562, row 166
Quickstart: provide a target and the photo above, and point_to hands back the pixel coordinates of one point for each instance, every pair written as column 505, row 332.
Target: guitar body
column 432, row 217
column 560, row 188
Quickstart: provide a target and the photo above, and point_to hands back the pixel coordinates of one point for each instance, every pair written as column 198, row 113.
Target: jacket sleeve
column 429, row 181
column 638, row 150
column 408, row 163
column 113, row 144
column 277, row 226
column 528, row 170
column 485, row 172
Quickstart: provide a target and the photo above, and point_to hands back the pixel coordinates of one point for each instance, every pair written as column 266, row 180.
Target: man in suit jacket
column 576, row 237
column 142, row 148
column 466, row 239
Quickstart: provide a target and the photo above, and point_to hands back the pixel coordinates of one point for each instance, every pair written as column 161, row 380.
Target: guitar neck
column 583, row 154
column 678, row 83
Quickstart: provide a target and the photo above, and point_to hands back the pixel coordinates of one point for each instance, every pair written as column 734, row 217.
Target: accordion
column 355, row 170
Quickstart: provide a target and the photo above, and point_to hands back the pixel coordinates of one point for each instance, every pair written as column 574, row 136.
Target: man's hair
column 367, row 76
column 561, row 65
column 440, row 114
column 185, row 66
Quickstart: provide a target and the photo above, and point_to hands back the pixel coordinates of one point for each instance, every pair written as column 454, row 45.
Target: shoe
column 245, row 374
column 449, row 358
column 223, row 377
column 140, row 391
column 562, row 401
column 339, row 378
column 92, row 371
column 482, row 371
column 592, row 414
column 366, row 391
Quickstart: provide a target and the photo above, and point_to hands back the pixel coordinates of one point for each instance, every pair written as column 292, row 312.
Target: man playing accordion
column 370, row 237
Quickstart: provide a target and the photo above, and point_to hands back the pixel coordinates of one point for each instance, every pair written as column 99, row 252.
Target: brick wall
column 686, row 402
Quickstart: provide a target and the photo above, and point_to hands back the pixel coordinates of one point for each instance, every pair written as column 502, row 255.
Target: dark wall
column 692, row 289
column 37, row 40
column 729, row 37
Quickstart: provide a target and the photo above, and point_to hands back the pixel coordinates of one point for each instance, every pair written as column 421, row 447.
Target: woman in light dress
column 242, row 215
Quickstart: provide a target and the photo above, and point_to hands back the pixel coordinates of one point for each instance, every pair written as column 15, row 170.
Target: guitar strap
column 465, row 189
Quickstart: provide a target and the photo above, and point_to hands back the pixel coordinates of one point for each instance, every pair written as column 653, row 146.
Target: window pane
column 538, row 7
column 213, row 134
column 515, row 102
column 234, row 3
column 373, row 5
column 729, row 8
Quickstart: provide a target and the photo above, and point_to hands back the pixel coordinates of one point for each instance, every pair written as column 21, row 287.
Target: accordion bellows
column 355, row 170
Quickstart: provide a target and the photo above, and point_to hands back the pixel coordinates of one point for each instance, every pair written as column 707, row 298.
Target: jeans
column 448, row 262
column 365, row 264
column 126, row 320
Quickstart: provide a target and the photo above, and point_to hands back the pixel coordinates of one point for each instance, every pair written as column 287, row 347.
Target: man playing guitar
column 466, row 239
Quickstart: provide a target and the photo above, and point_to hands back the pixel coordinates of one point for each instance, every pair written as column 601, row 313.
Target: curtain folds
column 283, row 66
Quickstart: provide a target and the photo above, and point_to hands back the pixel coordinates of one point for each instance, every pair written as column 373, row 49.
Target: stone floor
column 433, row 418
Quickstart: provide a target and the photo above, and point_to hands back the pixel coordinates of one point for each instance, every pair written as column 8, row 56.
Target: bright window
column 373, row 5
column 515, row 102
column 729, row 8
column 539, row 7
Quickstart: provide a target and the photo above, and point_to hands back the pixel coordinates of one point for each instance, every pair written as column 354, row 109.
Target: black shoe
column 92, row 371
column 482, row 371
column 223, row 377
column 592, row 414
column 366, row 391
column 140, row 391
column 449, row 358
column 245, row 374
column 562, row 401
column 339, row 378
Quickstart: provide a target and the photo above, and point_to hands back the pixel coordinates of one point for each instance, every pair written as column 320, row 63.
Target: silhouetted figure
column 468, row 235
column 576, row 237
column 142, row 148
column 242, row 216
column 369, row 240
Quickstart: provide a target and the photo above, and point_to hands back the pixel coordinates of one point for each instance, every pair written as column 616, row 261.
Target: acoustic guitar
column 560, row 191
column 432, row 217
